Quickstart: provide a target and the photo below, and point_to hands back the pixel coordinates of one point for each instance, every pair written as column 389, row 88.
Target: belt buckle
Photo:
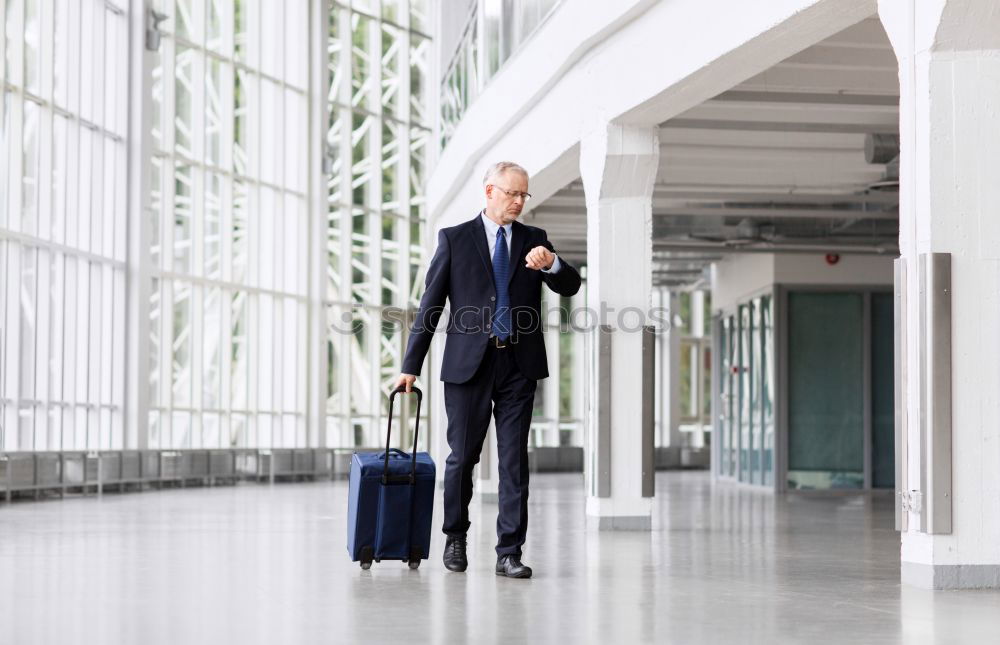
column 496, row 343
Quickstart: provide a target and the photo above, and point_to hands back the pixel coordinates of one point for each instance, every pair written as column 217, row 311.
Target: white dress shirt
column 491, row 240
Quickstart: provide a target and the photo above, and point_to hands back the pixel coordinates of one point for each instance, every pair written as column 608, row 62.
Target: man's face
column 504, row 195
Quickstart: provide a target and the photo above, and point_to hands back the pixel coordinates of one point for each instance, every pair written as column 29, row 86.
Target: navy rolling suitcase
column 391, row 501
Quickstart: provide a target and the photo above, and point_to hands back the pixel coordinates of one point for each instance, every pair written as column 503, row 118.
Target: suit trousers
column 500, row 385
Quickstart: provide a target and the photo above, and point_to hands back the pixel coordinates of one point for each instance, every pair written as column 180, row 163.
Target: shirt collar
column 492, row 227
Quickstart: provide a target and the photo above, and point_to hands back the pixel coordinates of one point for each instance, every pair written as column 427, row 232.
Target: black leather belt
column 499, row 344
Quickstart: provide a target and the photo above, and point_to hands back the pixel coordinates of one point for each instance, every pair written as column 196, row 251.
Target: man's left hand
column 539, row 258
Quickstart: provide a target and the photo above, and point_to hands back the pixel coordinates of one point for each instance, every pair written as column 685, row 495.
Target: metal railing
column 93, row 471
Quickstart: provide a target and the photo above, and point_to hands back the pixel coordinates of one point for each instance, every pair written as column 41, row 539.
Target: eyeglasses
column 513, row 194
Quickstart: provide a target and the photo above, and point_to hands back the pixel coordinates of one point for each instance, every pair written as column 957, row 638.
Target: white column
column 697, row 376
column 618, row 165
column 668, row 441
column 674, row 380
column 659, row 295
column 138, row 276
column 579, row 382
column 316, row 353
column 550, row 314
column 949, row 60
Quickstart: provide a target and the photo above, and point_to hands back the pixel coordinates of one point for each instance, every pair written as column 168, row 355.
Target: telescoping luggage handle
column 412, row 477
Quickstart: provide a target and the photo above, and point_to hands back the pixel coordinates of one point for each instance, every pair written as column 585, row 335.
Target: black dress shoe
column 454, row 554
column 510, row 566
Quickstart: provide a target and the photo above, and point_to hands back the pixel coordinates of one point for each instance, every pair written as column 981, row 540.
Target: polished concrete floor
column 268, row 564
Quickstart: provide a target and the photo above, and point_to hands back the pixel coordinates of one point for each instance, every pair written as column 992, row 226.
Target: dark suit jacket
column 462, row 271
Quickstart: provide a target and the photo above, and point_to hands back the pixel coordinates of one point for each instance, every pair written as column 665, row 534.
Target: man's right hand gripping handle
column 406, row 380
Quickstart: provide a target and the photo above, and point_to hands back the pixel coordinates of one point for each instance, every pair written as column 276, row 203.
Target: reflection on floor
column 262, row 564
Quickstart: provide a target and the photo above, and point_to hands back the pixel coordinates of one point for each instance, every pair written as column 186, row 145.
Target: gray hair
column 501, row 167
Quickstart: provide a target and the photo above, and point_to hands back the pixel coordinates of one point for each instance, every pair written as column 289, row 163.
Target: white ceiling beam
column 826, row 157
column 808, row 98
column 866, row 33
column 663, row 210
column 759, row 139
column 820, row 56
column 804, row 79
column 880, row 118
column 818, row 213
column 709, row 192
column 778, row 247
column 772, row 176
column 763, row 125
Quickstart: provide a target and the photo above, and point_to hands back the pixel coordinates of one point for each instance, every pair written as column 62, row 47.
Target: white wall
column 812, row 268
column 739, row 276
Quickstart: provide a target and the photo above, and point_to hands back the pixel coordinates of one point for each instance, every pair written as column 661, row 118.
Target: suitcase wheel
column 366, row 558
column 416, row 554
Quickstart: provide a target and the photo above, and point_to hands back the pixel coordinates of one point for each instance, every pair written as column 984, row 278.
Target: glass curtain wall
column 376, row 221
column 63, row 126
column 746, row 394
column 494, row 31
column 829, row 439
column 228, row 217
column 825, row 390
column 557, row 414
column 695, row 363
column 228, row 197
column 840, row 389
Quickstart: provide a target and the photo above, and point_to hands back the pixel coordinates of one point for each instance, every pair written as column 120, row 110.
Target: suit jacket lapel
column 478, row 233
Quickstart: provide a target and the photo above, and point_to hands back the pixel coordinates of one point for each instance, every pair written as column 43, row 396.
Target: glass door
column 745, row 373
column 727, row 398
column 767, row 389
column 746, row 393
column 825, row 393
column 754, row 372
column 882, row 392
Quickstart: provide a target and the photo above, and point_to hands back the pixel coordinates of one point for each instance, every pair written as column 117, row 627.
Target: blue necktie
column 501, row 261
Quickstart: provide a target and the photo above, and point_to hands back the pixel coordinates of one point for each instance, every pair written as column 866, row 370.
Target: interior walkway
column 260, row 564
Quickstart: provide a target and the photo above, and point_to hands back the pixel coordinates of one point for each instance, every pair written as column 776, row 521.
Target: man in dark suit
column 491, row 269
